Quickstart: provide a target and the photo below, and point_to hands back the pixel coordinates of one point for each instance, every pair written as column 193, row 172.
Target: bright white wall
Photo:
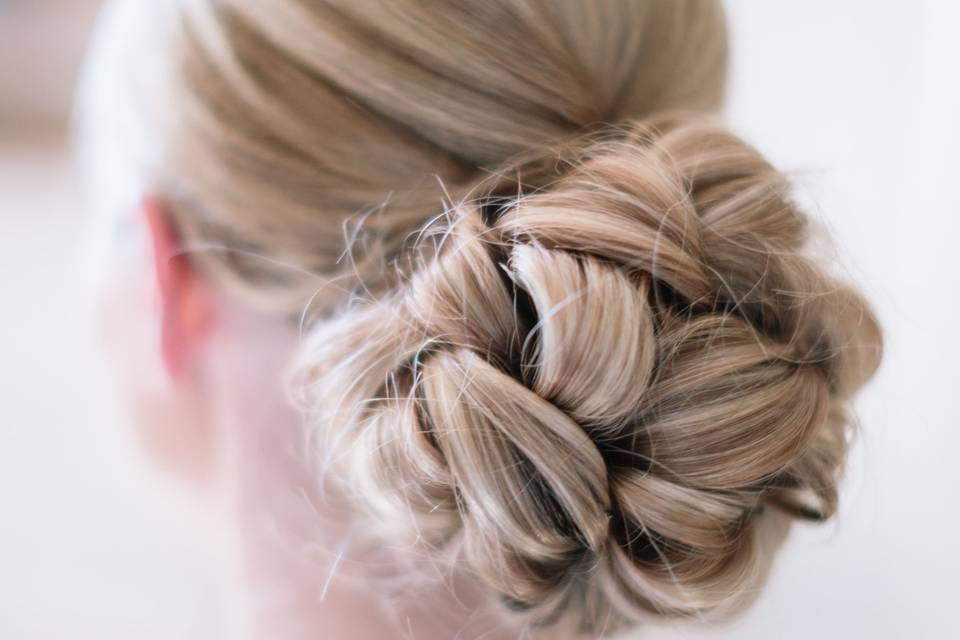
column 859, row 97
column 92, row 545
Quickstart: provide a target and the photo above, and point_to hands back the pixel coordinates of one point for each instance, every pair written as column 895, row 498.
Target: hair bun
column 587, row 395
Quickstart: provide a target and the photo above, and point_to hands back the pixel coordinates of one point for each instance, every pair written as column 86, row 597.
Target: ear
column 186, row 306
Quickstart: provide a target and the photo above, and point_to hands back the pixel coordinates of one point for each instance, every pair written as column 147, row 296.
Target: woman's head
column 564, row 335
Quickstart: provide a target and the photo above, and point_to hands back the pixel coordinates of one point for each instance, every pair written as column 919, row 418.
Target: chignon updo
column 566, row 332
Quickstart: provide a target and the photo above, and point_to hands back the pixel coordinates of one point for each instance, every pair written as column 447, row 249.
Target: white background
column 860, row 99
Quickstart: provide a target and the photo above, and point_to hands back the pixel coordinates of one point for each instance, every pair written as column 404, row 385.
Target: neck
column 299, row 566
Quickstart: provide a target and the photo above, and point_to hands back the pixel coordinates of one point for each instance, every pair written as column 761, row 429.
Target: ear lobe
column 185, row 306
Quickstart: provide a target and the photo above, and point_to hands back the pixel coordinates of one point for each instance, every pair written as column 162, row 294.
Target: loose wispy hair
column 573, row 339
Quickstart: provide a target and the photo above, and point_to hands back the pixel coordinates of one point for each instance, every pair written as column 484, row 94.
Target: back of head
column 568, row 340
column 294, row 121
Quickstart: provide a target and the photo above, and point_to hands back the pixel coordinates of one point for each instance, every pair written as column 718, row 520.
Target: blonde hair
column 584, row 374
column 295, row 121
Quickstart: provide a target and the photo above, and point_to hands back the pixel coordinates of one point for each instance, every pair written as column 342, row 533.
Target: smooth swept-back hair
column 568, row 334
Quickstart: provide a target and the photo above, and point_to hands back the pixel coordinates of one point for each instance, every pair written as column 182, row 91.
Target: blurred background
column 92, row 544
column 860, row 100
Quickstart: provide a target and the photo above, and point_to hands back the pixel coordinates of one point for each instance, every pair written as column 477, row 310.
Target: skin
column 203, row 379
